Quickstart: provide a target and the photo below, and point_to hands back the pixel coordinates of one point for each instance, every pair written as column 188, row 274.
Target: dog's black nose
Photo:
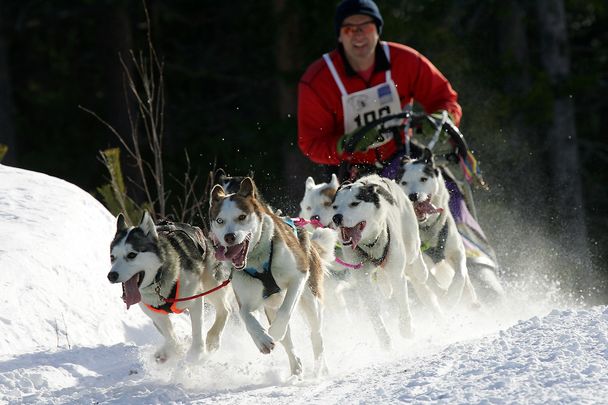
column 413, row 197
column 315, row 218
column 229, row 238
column 337, row 219
column 112, row 276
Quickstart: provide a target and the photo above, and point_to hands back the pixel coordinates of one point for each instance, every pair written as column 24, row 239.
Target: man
column 365, row 79
column 360, row 81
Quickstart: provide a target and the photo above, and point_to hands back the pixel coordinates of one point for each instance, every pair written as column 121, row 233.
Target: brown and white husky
column 276, row 266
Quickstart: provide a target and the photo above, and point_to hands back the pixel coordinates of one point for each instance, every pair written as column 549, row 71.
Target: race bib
column 365, row 106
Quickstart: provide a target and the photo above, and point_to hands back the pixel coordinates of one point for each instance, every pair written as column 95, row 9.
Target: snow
column 67, row 338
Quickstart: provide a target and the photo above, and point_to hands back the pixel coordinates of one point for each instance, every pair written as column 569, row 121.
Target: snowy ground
column 66, row 337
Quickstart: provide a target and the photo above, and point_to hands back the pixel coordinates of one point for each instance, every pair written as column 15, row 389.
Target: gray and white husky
column 155, row 262
column 377, row 226
column 442, row 245
column 276, row 267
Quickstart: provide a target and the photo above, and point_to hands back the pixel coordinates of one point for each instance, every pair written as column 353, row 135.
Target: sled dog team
column 363, row 241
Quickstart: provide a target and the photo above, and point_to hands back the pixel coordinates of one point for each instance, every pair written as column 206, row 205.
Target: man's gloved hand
column 427, row 128
column 368, row 139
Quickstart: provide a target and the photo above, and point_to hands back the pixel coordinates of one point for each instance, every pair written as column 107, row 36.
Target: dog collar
column 382, row 259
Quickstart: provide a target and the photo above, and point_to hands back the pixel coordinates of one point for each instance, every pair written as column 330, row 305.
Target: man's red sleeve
column 317, row 137
column 433, row 91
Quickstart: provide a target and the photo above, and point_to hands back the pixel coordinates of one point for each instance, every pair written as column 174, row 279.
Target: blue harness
column 265, row 276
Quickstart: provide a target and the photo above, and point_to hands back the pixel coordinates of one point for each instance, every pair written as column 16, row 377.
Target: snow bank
column 54, row 257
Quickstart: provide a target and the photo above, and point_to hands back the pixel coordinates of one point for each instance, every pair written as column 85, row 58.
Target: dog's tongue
column 131, row 294
column 237, row 254
column 353, row 234
column 220, row 253
column 425, row 207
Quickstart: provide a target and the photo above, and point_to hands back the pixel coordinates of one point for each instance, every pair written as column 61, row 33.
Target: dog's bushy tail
column 324, row 240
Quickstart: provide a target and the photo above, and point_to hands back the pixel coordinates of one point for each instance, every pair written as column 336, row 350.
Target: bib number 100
column 372, row 116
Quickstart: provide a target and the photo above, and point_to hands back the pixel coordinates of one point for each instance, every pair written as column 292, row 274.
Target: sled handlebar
column 410, row 119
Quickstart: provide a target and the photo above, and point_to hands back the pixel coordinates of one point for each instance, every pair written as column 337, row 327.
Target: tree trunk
column 295, row 167
column 113, row 42
column 515, row 60
column 561, row 137
column 7, row 129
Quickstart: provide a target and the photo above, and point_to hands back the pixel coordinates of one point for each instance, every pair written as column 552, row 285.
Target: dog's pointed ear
column 147, row 225
column 247, row 188
column 427, row 157
column 218, row 175
column 310, row 183
column 334, row 183
column 217, row 193
column 405, row 159
column 121, row 223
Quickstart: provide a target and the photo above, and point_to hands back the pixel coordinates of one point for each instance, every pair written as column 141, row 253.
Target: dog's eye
column 308, row 208
column 335, row 207
column 354, row 204
column 131, row 255
column 242, row 217
column 112, row 258
column 423, row 179
column 219, row 221
column 404, row 183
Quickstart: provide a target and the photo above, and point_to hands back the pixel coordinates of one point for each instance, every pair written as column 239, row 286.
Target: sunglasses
column 366, row 27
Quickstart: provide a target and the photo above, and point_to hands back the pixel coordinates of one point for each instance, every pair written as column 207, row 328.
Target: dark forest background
column 532, row 78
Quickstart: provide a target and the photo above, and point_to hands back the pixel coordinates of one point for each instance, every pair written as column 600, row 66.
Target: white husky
column 316, row 205
column 276, row 266
column 444, row 251
column 378, row 227
column 172, row 262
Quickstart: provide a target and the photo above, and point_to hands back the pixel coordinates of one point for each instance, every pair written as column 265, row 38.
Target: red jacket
column 320, row 114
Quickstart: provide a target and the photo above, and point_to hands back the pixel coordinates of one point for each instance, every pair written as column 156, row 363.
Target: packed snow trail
column 66, row 338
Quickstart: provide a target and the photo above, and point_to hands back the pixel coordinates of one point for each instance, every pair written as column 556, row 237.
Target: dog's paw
column 213, row 343
column 406, row 328
column 277, row 330
column 296, row 367
column 166, row 351
column 321, row 369
column 264, row 342
column 196, row 352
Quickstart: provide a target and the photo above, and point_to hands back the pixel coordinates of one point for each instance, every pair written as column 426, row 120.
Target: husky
column 442, row 245
column 276, row 266
column 377, row 227
column 170, row 261
column 316, row 205
column 230, row 183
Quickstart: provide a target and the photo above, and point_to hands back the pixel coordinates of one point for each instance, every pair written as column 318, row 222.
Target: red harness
column 170, row 305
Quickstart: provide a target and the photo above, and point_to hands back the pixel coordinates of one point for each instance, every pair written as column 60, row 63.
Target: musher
column 364, row 79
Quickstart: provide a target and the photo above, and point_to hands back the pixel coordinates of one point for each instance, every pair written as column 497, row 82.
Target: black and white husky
column 276, row 267
column 442, row 245
column 156, row 262
column 377, row 226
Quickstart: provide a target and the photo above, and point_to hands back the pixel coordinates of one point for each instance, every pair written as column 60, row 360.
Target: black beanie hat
column 346, row 8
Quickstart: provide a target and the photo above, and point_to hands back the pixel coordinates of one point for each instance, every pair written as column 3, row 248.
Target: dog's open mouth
column 425, row 208
column 237, row 254
column 352, row 236
column 130, row 289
